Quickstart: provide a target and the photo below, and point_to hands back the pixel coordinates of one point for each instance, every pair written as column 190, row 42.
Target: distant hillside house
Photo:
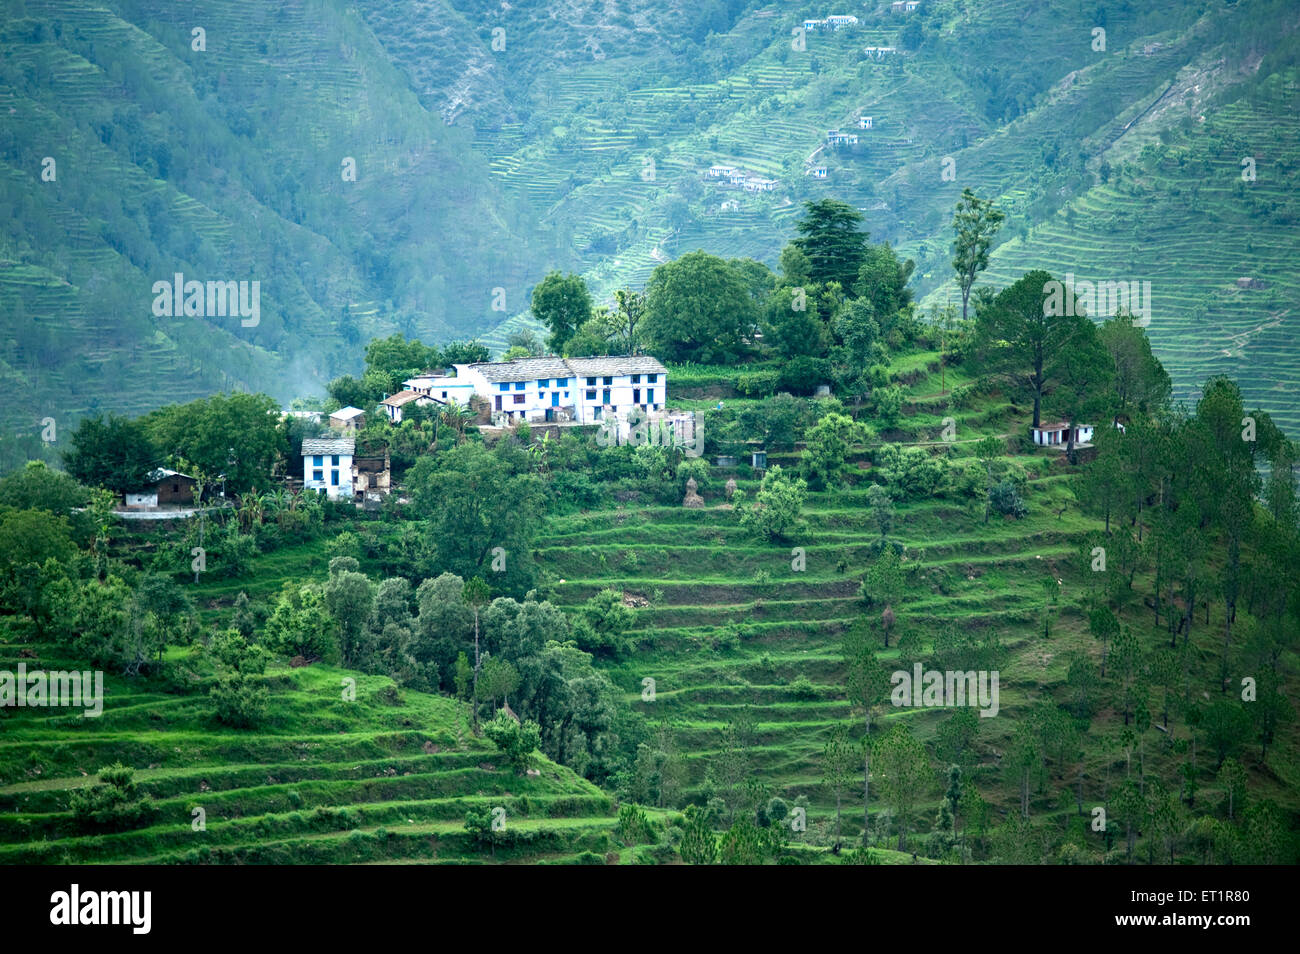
column 162, row 486
column 904, row 6
column 442, row 388
column 759, row 184
column 393, row 405
column 837, row 137
column 812, row 26
column 584, row 390
column 721, row 172
column 348, row 419
column 879, row 52
column 818, row 172
column 864, row 122
column 615, row 384
column 327, row 465
column 1059, row 434
column 839, row 22
column 738, row 177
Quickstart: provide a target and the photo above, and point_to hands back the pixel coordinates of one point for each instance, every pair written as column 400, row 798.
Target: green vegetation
column 580, row 147
column 901, row 630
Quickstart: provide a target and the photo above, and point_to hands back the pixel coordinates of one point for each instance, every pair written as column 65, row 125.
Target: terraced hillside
column 387, row 778
column 619, row 165
column 134, row 149
column 578, row 141
column 733, row 634
column 1225, row 281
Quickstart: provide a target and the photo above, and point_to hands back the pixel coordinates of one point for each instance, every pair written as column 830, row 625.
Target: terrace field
column 728, row 631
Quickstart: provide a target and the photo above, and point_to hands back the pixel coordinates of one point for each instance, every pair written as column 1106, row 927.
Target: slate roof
column 347, row 413
column 616, row 364
column 328, row 445
column 523, row 369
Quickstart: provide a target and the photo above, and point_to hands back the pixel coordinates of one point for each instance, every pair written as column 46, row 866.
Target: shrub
column 803, row 689
column 239, row 700
column 802, row 375
column 1006, row 500
column 633, row 825
column 776, row 506
column 575, row 490
column 757, row 383
column 601, row 623
column 113, row 803
column 516, row 739
column 696, row 467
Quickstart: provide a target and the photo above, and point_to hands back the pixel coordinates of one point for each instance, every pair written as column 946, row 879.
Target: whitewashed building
column 582, row 390
column 327, row 465
column 534, row 389
column 393, row 404
column 1060, row 434
column 864, row 122
column 616, row 384
column 442, row 388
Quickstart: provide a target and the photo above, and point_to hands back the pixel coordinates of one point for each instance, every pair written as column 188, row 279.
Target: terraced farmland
column 387, row 777
column 731, row 627
column 1203, row 321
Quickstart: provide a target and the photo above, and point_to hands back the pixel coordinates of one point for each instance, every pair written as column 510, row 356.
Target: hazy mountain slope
column 226, row 164
column 1009, row 99
column 579, row 143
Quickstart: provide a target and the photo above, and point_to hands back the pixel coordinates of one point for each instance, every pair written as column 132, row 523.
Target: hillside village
column 760, row 492
column 836, row 529
column 495, row 395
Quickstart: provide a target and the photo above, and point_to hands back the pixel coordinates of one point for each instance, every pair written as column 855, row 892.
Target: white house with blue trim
column 327, row 465
column 584, row 390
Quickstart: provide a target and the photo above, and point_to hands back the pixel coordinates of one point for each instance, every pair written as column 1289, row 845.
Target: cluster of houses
column 731, row 175
column 838, row 137
column 830, row 24
column 543, row 390
column 549, row 390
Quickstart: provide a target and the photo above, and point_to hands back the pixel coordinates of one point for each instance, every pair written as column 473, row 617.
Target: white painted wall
column 328, row 471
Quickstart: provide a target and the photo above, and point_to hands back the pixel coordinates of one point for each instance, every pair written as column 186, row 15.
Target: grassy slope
column 387, row 777
column 709, row 583
column 715, row 581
